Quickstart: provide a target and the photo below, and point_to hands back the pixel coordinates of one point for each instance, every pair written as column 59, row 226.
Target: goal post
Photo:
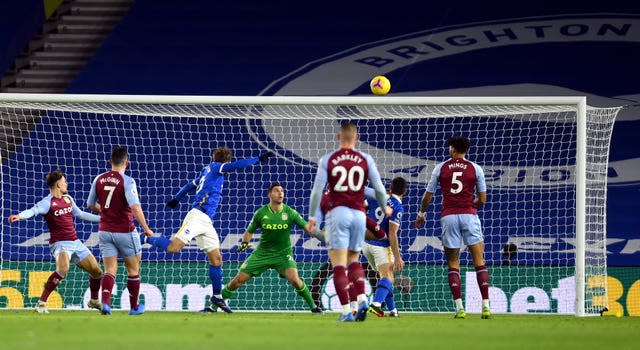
column 545, row 159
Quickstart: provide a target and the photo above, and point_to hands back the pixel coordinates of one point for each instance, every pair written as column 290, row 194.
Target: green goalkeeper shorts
column 257, row 263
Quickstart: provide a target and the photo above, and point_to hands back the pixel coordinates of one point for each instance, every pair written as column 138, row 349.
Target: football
column 380, row 85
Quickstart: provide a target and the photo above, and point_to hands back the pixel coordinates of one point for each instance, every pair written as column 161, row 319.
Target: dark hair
column 460, row 143
column 221, row 155
column 398, row 186
column 119, row 155
column 53, row 177
column 274, row 185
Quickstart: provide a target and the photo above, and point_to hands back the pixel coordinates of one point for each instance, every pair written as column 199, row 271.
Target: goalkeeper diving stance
column 275, row 221
column 198, row 223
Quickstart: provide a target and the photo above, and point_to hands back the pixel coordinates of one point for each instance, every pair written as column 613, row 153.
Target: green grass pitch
column 301, row 331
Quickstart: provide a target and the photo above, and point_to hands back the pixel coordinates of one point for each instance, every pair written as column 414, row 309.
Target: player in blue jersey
column 384, row 254
column 198, row 223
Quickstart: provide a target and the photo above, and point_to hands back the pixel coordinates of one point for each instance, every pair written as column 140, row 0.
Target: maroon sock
column 52, row 283
column 108, row 280
column 454, row 283
column 482, row 275
column 356, row 277
column 133, row 285
column 94, row 286
column 353, row 294
column 341, row 283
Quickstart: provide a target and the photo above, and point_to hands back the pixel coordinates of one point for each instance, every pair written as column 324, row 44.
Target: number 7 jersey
column 459, row 179
column 116, row 193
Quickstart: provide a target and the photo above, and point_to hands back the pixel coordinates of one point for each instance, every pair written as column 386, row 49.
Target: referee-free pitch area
column 185, row 330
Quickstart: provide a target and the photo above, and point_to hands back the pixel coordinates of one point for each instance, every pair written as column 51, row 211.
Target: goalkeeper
column 275, row 221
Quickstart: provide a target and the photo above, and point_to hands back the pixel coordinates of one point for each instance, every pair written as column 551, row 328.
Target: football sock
column 454, row 283
column 133, row 285
column 390, row 301
column 52, row 283
column 356, row 277
column 383, row 288
column 341, row 283
column 306, row 295
column 482, row 276
column 215, row 273
column 94, row 286
column 108, row 280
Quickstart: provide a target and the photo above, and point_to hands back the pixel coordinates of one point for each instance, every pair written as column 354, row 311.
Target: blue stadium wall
column 333, row 48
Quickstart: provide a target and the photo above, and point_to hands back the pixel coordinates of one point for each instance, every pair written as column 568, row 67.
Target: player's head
column 276, row 193
column 221, row 155
column 56, row 180
column 459, row 145
column 398, row 186
column 348, row 134
column 119, row 156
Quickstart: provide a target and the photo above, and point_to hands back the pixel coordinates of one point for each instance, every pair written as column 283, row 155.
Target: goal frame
column 580, row 103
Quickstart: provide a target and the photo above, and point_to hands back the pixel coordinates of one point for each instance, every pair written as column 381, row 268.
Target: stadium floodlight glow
column 545, row 160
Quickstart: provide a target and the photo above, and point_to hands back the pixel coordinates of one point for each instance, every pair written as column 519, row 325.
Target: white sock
column 346, row 309
column 377, row 304
column 485, row 303
column 362, row 297
column 459, row 304
column 354, row 305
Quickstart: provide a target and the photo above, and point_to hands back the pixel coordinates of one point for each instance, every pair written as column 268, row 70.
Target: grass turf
column 183, row 330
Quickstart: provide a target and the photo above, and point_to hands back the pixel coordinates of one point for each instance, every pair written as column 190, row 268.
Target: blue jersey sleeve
column 481, row 185
column 376, row 182
column 81, row 214
column 40, row 208
column 238, row 164
column 433, row 182
column 91, row 200
column 190, row 186
column 318, row 186
column 398, row 210
column 131, row 191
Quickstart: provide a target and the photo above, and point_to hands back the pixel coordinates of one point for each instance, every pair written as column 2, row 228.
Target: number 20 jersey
column 347, row 172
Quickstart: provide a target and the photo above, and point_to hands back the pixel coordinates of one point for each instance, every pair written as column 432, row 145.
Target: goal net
column 545, row 162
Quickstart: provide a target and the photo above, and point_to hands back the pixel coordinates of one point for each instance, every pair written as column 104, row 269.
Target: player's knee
column 175, row 246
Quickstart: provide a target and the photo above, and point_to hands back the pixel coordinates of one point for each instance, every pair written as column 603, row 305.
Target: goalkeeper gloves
column 266, row 155
column 173, row 203
column 243, row 247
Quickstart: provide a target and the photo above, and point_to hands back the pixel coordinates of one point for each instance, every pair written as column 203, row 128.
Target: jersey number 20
column 347, row 178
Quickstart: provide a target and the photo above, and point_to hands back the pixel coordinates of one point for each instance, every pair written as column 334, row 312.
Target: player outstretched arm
column 316, row 193
column 190, row 186
column 376, row 183
column 82, row 214
column 40, row 208
column 245, row 163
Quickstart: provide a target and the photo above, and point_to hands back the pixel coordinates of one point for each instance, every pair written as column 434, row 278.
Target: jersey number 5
column 348, row 176
column 456, row 185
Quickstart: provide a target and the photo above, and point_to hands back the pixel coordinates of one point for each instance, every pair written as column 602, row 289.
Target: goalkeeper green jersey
column 275, row 228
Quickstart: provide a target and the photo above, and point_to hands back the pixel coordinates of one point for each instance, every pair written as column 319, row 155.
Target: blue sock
column 160, row 243
column 391, row 303
column 383, row 288
column 215, row 273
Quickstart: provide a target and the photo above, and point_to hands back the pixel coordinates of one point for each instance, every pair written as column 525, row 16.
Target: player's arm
column 248, row 233
column 394, row 227
column 319, row 184
column 92, row 202
column 131, row 193
column 369, row 193
column 427, row 197
column 81, row 214
column 190, row 186
column 302, row 223
column 481, row 188
column 40, row 208
column 376, row 182
column 245, row 163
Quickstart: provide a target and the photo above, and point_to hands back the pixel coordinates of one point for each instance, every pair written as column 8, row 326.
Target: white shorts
column 346, row 228
column 76, row 250
column 198, row 225
column 461, row 228
column 377, row 255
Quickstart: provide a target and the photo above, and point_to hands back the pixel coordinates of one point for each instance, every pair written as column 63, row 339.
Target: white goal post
column 545, row 157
